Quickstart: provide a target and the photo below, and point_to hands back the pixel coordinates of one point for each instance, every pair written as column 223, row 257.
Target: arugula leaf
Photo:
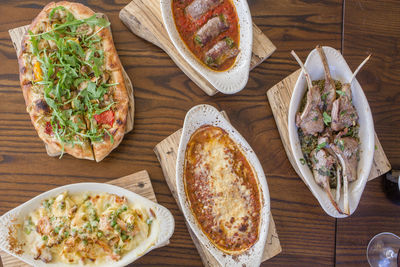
column 93, row 21
column 111, row 136
column 54, row 11
column 75, row 59
column 99, row 111
column 34, row 43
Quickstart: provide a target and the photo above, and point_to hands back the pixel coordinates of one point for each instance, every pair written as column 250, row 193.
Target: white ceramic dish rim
column 232, row 80
column 164, row 219
column 195, row 118
column 339, row 71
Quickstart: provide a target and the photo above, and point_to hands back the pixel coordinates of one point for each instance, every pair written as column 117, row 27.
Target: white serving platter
column 339, row 71
column 232, row 80
column 162, row 227
column 207, row 115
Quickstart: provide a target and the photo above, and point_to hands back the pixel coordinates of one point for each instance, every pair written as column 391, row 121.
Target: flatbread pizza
column 72, row 81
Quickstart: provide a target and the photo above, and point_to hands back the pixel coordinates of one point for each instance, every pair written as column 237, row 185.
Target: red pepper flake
column 106, row 117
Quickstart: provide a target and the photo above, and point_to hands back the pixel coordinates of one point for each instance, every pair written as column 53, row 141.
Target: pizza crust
column 98, row 150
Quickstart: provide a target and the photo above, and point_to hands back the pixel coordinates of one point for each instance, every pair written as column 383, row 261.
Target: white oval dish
column 232, row 80
column 339, row 71
column 195, row 118
column 164, row 222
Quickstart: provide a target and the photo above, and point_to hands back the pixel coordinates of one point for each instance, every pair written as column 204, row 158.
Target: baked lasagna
column 222, row 189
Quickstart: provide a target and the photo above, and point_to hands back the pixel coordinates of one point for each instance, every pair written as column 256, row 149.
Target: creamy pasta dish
column 85, row 228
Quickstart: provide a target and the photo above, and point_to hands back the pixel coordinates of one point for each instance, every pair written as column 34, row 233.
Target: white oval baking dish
column 232, row 80
column 162, row 227
column 339, row 71
column 208, row 115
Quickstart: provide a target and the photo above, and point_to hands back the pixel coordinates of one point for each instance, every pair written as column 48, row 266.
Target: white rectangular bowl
column 339, row 71
column 164, row 222
column 207, row 115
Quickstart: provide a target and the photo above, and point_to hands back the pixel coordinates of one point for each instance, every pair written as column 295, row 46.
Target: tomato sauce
column 187, row 28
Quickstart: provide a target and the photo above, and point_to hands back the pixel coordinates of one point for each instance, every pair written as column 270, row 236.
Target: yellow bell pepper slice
column 37, row 71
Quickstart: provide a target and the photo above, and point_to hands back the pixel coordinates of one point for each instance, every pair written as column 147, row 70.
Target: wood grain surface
column 373, row 27
column 167, row 152
column 143, row 18
column 138, row 183
column 163, row 95
column 279, row 99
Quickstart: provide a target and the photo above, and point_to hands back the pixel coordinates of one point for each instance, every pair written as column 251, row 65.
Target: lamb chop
column 326, row 139
column 310, row 120
column 346, row 150
column 343, row 112
column 322, row 163
column 329, row 92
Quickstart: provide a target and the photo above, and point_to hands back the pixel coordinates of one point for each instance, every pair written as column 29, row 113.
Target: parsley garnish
column 340, row 92
column 321, row 146
column 327, row 118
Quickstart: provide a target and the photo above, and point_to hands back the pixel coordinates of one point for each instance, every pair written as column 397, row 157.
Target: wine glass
column 383, row 250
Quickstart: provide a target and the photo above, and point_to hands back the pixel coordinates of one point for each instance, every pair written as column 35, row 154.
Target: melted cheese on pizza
column 85, row 228
column 222, row 190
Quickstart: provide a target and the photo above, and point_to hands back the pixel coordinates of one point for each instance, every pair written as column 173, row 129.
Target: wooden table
column 164, row 94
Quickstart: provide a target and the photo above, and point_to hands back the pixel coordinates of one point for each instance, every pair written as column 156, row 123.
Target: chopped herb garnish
column 323, row 172
column 27, row 230
column 197, row 40
column 340, row 92
column 323, row 97
column 327, row 118
column 124, row 237
column 341, row 144
column 229, row 41
column 302, row 161
column 321, row 146
column 209, row 60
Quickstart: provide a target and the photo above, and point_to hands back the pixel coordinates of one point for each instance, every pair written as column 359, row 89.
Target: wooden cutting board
column 138, row 183
column 143, row 18
column 166, row 152
column 279, row 99
column 16, row 37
